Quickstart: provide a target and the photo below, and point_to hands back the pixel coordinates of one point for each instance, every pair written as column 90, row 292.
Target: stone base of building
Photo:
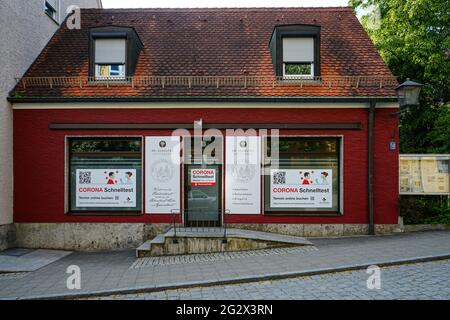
column 321, row 230
column 86, row 236
column 426, row 227
column 7, row 236
column 112, row 236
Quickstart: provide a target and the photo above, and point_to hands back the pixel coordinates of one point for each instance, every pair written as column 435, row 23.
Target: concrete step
column 199, row 240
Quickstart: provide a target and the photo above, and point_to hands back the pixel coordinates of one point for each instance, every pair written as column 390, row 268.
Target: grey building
column 26, row 27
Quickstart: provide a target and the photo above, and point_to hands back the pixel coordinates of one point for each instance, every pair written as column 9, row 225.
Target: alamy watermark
column 374, row 280
column 73, row 17
column 205, row 147
column 74, row 280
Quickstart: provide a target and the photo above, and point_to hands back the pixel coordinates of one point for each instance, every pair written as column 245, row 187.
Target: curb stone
column 236, row 280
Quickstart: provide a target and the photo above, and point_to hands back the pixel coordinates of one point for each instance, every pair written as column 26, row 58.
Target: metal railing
column 193, row 224
column 209, row 81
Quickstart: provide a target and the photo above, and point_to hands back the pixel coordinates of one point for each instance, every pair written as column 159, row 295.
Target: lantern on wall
column 408, row 93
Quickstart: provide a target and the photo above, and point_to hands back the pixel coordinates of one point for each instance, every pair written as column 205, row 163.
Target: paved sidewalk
column 27, row 260
column 109, row 272
column 427, row 281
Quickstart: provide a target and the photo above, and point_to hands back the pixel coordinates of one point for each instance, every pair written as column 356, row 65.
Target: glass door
column 202, row 196
column 203, row 185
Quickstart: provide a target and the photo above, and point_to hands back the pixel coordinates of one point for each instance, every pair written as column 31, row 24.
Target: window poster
column 243, row 175
column 162, row 174
column 301, row 188
column 106, row 188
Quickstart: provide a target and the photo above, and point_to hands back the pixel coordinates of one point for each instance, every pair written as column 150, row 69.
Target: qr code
column 84, row 177
column 279, row 177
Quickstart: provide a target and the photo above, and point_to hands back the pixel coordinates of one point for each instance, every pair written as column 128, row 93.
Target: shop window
column 105, row 175
column 110, row 55
column 304, row 177
column 298, row 57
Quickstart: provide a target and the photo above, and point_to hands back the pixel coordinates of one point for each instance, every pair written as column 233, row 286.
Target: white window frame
column 97, row 65
column 311, row 63
column 110, row 77
column 298, row 76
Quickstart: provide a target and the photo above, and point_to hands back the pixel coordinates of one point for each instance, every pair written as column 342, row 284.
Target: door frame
column 220, row 177
column 219, row 180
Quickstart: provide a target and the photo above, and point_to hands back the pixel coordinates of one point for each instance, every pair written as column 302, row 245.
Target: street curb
column 236, row 280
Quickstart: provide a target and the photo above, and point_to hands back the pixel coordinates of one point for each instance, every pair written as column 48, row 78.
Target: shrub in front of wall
column 425, row 209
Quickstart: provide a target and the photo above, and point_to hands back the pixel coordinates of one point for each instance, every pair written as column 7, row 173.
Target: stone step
column 196, row 240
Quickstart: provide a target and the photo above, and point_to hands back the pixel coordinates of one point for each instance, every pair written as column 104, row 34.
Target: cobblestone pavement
column 430, row 281
column 148, row 262
column 110, row 272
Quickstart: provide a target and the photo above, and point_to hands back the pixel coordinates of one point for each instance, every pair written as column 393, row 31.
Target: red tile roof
column 213, row 42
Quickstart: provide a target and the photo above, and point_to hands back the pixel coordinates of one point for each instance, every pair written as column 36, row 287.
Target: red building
column 103, row 109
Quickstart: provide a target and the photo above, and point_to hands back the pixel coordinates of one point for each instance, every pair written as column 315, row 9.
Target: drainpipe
column 370, row 166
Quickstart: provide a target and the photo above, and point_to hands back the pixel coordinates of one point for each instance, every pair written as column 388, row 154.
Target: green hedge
column 425, row 209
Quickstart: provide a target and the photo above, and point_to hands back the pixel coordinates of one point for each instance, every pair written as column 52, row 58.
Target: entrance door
column 202, row 195
column 203, row 183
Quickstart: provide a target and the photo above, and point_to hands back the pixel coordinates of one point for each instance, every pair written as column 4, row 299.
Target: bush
column 425, row 209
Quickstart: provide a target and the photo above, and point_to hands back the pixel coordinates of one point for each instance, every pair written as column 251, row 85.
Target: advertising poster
column 410, row 176
column 243, row 175
column 301, row 188
column 162, row 175
column 203, row 177
column 106, row 188
column 435, row 176
column 424, row 175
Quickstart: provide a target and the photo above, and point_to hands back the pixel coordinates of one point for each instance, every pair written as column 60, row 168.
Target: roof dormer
column 296, row 51
column 114, row 53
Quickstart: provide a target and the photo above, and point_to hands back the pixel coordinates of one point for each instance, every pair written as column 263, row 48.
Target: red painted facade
column 39, row 158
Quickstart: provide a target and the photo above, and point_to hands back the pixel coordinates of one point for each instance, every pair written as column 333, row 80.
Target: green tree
column 412, row 36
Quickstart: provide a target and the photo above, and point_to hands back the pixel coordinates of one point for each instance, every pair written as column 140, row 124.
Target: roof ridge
column 330, row 8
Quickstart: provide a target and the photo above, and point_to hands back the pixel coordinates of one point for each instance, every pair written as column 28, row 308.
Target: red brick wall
column 39, row 158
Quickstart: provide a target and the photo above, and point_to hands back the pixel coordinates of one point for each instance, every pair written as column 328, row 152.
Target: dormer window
column 296, row 51
column 114, row 53
column 298, row 57
column 110, row 59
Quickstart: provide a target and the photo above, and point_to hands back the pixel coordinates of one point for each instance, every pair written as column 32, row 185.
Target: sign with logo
column 106, row 188
column 243, row 175
column 162, row 175
column 301, row 188
column 203, row 177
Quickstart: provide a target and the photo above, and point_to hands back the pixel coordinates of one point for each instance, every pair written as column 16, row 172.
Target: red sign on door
column 203, row 177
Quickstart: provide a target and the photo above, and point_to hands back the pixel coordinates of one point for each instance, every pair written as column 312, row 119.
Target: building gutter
column 370, row 125
column 198, row 99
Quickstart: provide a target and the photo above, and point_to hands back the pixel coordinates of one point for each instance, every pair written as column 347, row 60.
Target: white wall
column 24, row 31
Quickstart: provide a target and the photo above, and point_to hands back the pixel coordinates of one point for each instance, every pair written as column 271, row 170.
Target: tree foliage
column 412, row 36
